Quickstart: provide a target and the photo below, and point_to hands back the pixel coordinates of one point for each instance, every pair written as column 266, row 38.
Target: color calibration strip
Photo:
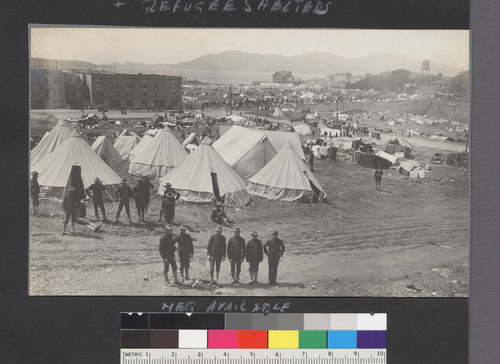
column 253, row 331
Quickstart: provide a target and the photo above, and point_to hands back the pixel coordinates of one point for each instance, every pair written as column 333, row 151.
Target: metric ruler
column 253, row 356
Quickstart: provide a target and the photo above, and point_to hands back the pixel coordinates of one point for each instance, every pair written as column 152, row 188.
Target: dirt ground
column 410, row 239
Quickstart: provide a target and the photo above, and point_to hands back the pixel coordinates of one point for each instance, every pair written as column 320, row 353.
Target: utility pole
column 230, row 99
column 257, row 102
column 337, row 116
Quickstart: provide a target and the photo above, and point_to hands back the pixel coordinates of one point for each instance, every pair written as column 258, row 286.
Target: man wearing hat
column 216, row 252
column 186, row 251
column 274, row 250
column 124, row 194
column 70, row 207
column 167, row 251
column 35, row 192
column 95, row 192
column 236, row 254
column 141, row 195
column 219, row 215
column 254, row 255
column 168, row 204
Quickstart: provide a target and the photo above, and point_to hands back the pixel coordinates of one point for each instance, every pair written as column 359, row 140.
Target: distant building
column 426, row 92
column 134, row 91
column 283, row 77
column 442, row 86
column 47, row 89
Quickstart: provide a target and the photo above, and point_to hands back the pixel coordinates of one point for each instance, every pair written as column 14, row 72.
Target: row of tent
column 209, row 172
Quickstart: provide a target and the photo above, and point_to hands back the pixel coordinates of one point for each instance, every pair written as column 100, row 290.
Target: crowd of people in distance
column 236, row 251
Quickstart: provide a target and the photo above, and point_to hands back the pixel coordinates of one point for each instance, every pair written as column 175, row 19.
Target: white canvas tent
column 125, row 142
column 236, row 119
column 161, row 155
column 192, row 138
column 104, row 149
column 286, row 178
column 140, row 147
column 204, row 176
column 277, row 112
column 246, row 150
column 279, row 139
column 58, row 135
column 75, row 151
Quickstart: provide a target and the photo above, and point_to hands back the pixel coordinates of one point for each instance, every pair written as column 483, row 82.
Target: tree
column 460, row 84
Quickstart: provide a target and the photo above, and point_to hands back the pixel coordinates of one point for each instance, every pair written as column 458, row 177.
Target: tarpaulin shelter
column 161, row 155
column 286, row 178
column 204, row 176
column 125, row 142
column 58, row 135
column 236, row 119
column 245, row 150
column 302, row 129
column 75, row 151
column 390, row 157
column 370, row 160
column 104, row 149
column 409, row 165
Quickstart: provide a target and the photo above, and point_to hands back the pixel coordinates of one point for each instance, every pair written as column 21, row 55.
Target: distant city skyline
column 159, row 45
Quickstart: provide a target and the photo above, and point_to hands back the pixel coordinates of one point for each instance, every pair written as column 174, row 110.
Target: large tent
column 125, row 142
column 58, row 135
column 204, row 176
column 246, row 150
column 141, row 146
column 104, row 149
column 75, row 151
column 161, row 155
column 286, row 178
column 279, row 139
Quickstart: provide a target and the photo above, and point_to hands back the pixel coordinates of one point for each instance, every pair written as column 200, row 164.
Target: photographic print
column 249, row 162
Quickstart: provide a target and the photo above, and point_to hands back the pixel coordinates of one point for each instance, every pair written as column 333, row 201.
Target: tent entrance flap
column 215, row 186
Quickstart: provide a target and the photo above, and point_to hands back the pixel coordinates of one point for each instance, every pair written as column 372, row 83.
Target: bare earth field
column 409, row 239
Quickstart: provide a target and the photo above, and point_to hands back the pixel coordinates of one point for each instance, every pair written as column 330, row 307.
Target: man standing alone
column 236, row 250
column 274, row 250
column 378, row 177
column 186, row 251
column 167, row 250
column 216, row 252
column 254, row 257
column 35, row 192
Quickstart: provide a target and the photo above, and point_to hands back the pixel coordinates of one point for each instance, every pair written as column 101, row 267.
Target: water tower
column 426, row 67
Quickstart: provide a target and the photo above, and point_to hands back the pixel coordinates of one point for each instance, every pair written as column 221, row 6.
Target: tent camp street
column 409, row 239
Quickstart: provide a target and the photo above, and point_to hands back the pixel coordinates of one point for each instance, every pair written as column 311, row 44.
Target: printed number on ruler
column 253, row 356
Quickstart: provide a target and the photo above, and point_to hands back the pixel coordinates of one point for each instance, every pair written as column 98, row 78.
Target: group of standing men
column 236, row 251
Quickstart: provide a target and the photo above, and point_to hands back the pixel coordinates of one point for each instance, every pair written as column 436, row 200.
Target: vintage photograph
column 249, row 162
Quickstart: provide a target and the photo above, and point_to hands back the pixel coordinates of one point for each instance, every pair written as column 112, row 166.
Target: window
column 128, row 84
column 129, row 94
column 46, row 81
column 144, row 84
column 156, row 93
column 118, row 84
column 129, row 103
column 144, row 93
column 99, row 94
column 156, row 85
column 47, row 94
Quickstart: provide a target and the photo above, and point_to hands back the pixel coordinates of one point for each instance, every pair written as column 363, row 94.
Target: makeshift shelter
column 204, row 176
column 104, row 149
column 125, row 142
column 279, row 139
column 370, row 160
column 390, row 157
column 75, row 151
column 302, row 129
column 246, row 150
column 58, row 135
column 160, row 156
column 277, row 112
column 141, row 147
column 236, row 119
column 286, row 178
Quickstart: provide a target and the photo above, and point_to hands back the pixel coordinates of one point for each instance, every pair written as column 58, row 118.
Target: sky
column 160, row 45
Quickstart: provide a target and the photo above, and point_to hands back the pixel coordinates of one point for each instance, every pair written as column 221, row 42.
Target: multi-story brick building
column 133, row 91
column 283, row 77
column 47, row 89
